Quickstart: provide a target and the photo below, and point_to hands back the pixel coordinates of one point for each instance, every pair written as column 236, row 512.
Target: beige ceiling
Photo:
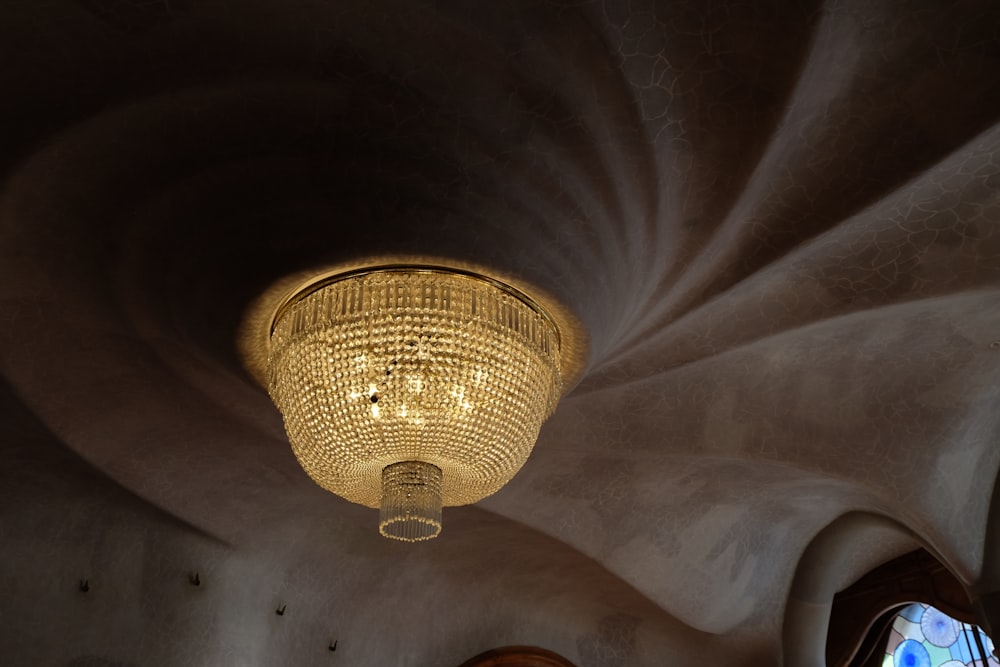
column 778, row 222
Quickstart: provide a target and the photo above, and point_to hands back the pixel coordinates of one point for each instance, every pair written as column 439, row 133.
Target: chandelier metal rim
column 254, row 335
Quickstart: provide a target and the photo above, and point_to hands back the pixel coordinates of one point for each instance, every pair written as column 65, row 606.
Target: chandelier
column 408, row 388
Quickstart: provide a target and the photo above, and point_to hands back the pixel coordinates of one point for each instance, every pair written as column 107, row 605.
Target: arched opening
column 921, row 635
column 918, row 615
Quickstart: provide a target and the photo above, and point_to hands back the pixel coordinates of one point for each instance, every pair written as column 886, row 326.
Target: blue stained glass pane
column 959, row 651
column 939, row 628
column 911, row 653
column 913, row 612
column 965, row 647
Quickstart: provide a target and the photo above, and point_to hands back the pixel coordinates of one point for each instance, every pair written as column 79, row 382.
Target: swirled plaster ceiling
column 778, row 222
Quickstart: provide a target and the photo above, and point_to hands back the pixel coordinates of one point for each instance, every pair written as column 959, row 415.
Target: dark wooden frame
column 518, row 656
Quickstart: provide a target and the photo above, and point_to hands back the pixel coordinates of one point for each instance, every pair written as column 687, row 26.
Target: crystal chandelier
column 408, row 388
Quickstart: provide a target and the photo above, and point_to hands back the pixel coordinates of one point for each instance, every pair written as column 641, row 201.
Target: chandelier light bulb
column 410, row 388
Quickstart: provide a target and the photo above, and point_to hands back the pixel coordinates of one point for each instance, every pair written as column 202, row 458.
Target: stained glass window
column 923, row 636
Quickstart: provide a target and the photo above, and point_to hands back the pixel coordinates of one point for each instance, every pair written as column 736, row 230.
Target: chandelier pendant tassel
column 411, row 501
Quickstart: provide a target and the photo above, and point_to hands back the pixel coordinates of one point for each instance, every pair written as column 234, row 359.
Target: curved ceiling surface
column 778, row 223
